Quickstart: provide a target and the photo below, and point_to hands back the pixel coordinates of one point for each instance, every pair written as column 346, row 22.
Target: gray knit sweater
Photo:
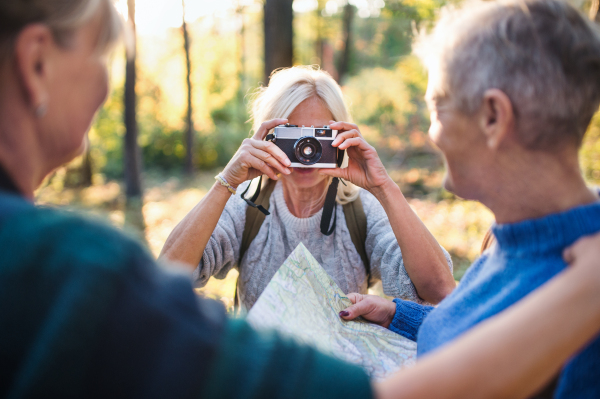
column 281, row 232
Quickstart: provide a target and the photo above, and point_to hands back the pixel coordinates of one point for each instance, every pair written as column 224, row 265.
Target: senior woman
column 399, row 249
column 511, row 141
column 86, row 312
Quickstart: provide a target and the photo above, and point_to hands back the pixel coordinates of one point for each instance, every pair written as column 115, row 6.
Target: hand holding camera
column 256, row 157
column 308, row 147
column 365, row 169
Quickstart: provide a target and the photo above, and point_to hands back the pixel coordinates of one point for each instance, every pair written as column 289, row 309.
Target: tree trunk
column 279, row 36
column 189, row 131
column 86, row 167
column 344, row 63
column 132, row 156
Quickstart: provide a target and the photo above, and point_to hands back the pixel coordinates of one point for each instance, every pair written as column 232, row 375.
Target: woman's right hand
column 373, row 308
column 256, row 157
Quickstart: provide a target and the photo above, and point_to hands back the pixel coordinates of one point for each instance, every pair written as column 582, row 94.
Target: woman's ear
column 33, row 49
column 497, row 117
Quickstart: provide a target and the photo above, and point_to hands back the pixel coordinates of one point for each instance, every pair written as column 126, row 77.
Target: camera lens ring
column 308, row 150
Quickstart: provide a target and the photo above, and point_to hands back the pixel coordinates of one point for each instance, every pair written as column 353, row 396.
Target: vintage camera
column 308, row 147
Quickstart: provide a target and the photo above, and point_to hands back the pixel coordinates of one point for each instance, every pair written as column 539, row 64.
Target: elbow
column 435, row 291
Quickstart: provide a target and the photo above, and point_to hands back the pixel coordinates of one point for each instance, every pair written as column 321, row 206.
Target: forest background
column 191, row 82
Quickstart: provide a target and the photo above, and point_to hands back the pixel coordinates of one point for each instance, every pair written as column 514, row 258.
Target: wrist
column 220, row 178
column 391, row 313
column 386, row 190
column 229, row 179
column 218, row 188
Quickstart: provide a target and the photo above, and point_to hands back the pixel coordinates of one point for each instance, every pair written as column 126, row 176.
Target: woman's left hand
column 365, row 169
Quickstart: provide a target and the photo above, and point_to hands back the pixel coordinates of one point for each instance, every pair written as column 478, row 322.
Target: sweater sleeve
column 223, row 248
column 384, row 253
column 266, row 365
column 408, row 318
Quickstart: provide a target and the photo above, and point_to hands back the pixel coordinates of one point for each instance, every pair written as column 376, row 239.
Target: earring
column 40, row 110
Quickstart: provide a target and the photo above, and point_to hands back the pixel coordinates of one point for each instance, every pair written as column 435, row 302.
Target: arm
column 481, row 363
column 386, row 257
column 423, row 257
column 187, row 241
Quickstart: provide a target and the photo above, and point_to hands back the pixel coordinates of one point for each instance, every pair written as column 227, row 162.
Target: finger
column 273, row 150
column 270, row 159
column 335, row 172
column 355, row 142
column 343, row 126
column 354, row 297
column 358, row 309
column 344, row 136
column 266, row 126
column 262, row 166
column 568, row 255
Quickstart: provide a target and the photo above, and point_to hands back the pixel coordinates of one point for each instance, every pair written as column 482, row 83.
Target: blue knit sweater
column 527, row 255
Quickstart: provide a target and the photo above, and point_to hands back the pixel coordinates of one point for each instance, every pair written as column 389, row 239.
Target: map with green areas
column 303, row 302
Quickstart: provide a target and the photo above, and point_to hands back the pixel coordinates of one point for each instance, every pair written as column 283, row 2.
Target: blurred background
column 178, row 109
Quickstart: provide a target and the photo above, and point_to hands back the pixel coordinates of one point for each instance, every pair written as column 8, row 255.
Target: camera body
column 308, row 147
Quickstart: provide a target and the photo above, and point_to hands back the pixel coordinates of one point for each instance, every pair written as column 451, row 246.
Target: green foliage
column 106, row 136
column 385, row 86
column 590, row 152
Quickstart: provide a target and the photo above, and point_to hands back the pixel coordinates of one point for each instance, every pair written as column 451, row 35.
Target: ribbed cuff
column 408, row 318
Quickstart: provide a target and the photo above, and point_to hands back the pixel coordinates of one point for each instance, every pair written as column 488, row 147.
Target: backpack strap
column 356, row 220
column 254, row 220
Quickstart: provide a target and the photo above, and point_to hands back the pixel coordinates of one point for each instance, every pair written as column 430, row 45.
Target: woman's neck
column 19, row 156
column 547, row 185
column 304, row 202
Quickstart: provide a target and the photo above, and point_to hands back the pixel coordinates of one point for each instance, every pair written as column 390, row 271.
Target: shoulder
column 41, row 235
column 368, row 199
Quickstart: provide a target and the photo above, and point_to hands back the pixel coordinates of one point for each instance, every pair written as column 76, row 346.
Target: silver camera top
column 288, row 131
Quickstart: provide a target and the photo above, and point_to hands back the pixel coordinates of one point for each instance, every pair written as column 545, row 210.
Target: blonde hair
column 63, row 18
column 289, row 87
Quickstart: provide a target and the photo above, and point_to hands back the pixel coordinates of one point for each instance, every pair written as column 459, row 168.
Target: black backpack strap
column 356, row 220
column 255, row 216
column 330, row 208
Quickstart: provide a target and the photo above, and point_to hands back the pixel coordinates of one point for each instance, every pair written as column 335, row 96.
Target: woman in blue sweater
column 510, row 139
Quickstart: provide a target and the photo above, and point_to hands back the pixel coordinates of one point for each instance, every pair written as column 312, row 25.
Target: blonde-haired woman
column 400, row 250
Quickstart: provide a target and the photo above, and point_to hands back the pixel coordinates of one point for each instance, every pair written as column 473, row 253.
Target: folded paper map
column 303, row 302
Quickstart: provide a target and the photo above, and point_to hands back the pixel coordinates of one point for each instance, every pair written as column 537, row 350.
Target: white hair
column 543, row 54
column 287, row 89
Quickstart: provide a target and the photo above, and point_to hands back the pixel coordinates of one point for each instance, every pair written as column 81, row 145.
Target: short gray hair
column 543, row 54
column 63, row 18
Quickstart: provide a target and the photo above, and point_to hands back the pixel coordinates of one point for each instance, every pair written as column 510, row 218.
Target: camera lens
column 308, row 150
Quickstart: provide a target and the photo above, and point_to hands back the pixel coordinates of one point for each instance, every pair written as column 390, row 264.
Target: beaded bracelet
column 224, row 183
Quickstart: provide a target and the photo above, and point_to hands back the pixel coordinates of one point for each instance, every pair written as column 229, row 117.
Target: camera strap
column 329, row 208
column 250, row 201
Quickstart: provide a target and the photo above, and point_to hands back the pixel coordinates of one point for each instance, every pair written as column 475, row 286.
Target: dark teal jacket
column 86, row 312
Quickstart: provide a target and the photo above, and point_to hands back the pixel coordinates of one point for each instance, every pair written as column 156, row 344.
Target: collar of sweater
column 550, row 233
column 304, row 224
